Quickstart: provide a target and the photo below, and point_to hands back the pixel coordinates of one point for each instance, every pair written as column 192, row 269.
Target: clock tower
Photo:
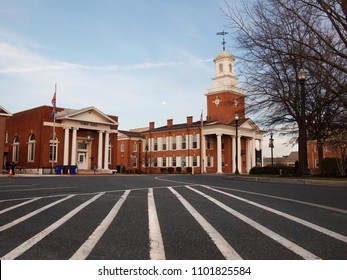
column 225, row 99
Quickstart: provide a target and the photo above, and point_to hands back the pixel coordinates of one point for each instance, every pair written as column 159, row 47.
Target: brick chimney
column 151, row 125
column 189, row 120
column 169, row 123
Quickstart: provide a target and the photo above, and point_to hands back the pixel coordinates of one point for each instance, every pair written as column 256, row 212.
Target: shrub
column 163, row 169
column 179, row 169
column 329, row 168
column 272, row 170
column 189, row 170
column 171, row 170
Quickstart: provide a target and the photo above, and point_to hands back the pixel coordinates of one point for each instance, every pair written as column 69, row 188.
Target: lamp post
column 146, row 159
column 303, row 165
column 237, row 145
column 140, row 142
column 271, row 146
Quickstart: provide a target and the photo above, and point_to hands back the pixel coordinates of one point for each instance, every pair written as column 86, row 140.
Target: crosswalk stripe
column 31, row 214
column 86, row 248
column 157, row 251
column 19, row 205
column 288, row 216
column 38, row 237
column 228, row 252
column 274, row 236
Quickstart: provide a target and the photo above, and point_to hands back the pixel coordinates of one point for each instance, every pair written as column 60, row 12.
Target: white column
column 100, row 150
column 253, row 152
column 66, row 146
column 107, row 140
column 203, row 153
column 233, row 152
column 219, row 153
column 74, row 146
column 239, row 154
column 248, row 155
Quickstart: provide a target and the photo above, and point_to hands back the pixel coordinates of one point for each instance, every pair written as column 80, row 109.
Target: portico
column 87, row 132
column 249, row 140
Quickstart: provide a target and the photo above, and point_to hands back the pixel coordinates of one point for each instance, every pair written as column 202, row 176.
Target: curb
column 323, row 183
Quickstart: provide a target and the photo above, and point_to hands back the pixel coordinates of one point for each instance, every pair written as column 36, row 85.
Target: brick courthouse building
column 84, row 138
column 204, row 146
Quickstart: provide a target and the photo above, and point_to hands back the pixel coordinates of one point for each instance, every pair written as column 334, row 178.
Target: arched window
column 15, row 151
column 53, row 149
column 220, row 67
column 230, row 68
column 31, row 148
column 110, row 152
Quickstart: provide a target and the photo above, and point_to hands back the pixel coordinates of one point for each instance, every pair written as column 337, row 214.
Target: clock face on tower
column 217, row 101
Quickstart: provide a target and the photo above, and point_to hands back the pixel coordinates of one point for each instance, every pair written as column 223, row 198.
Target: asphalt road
column 169, row 217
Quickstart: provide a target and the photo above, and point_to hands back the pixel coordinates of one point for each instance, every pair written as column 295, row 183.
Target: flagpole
column 54, row 113
column 202, row 145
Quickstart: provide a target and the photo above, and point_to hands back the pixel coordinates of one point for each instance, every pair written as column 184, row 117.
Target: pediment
column 250, row 125
column 4, row 112
column 90, row 115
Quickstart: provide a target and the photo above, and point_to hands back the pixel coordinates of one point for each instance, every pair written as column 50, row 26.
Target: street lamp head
column 302, row 75
column 236, row 117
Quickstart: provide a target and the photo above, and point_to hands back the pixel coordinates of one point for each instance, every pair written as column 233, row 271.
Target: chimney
column 169, row 123
column 151, row 125
column 189, row 120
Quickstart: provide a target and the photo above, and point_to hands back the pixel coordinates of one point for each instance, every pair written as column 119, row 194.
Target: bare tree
column 277, row 38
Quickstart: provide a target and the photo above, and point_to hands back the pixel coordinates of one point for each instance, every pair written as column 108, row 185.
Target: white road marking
column 19, row 205
column 343, row 211
column 288, row 216
column 38, row 189
column 83, row 252
column 228, row 252
column 38, row 237
column 31, row 214
column 278, row 238
column 157, row 251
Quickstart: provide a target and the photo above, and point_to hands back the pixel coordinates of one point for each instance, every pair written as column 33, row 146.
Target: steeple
column 225, row 99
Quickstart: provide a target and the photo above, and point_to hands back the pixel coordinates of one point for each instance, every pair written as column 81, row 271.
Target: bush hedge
column 329, row 168
column 273, row 170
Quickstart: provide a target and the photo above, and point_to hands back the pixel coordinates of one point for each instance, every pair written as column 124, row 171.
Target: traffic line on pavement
column 343, row 211
column 320, row 229
column 228, row 252
column 86, row 248
column 19, row 205
column 274, row 236
column 157, row 251
column 31, row 214
column 38, row 237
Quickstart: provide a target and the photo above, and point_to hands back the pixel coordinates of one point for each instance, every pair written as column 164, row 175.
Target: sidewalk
column 286, row 180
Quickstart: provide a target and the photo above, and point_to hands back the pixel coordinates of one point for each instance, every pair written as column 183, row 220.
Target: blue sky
column 143, row 60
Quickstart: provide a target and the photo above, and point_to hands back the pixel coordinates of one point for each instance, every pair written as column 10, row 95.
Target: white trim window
column 109, row 153
column 15, row 151
column 53, row 149
column 31, row 148
column 195, row 141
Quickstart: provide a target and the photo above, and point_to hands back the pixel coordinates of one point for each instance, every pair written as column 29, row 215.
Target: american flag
column 54, row 100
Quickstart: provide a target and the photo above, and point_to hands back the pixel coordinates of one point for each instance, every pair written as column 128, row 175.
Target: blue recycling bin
column 73, row 169
column 58, row 169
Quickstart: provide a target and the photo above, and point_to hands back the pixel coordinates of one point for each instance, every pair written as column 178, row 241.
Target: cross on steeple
column 223, row 42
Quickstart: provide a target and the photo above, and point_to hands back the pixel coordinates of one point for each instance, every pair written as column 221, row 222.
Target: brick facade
column 222, row 143
column 33, row 131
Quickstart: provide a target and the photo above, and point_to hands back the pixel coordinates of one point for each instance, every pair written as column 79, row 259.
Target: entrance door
column 82, row 160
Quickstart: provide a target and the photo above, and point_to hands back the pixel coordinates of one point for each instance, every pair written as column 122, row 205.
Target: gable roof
column 84, row 115
column 4, row 112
